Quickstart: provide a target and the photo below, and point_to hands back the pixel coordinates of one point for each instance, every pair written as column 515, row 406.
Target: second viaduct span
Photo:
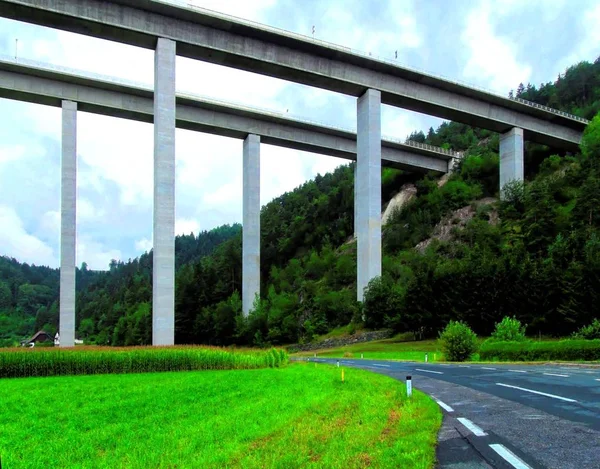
column 203, row 35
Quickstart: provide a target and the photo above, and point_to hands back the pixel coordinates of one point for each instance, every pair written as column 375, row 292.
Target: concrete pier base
column 163, row 280
column 368, row 189
column 68, row 219
column 251, row 223
column 511, row 157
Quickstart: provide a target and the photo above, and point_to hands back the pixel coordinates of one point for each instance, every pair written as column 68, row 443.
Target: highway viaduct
column 199, row 34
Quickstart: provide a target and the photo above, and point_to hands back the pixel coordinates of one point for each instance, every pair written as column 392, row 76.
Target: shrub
column 459, row 342
column 86, row 361
column 382, row 302
column 534, row 351
column 509, row 330
column 589, row 332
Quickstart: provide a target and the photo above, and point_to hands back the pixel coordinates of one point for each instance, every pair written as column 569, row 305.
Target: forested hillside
column 29, row 294
column 535, row 255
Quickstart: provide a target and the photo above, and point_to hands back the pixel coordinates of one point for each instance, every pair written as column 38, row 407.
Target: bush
column 534, row 351
column 459, row 342
column 509, row 330
column 382, row 302
column 589, row 332
column 87, row 361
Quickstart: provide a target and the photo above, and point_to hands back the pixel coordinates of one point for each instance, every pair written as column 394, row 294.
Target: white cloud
column 589, row 47
column 185, row 226
column 20, row 244
column 144, row 245
column 492, row 59
column 96, row 255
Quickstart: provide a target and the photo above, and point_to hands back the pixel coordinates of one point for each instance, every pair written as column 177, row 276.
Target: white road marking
column 464, row 366
column 386, row 366
column 477, row 431
column 487, row 368
column 510, row 457
column 597, row 379
column 430, row 371
column 566, row 399
column 518, row 371
column 556, row 374
column 444, row 406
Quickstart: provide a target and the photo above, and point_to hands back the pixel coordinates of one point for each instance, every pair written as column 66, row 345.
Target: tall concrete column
column 355, row 200
column 163, row 281
column 368, row 189
column 251, row 227
column 511, row 157
column 68, row 207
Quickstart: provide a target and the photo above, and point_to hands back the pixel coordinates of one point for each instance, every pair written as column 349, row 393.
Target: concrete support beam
column 43, row 85
column 68, row 207
column 511, row 157
column 163, row 281
column 251, row 226
column 368, row 189
column 355, row 201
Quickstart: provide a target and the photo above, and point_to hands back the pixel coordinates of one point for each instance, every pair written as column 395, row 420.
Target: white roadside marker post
column 338, row 363
column 408, row 386
column 426, row 358
column 361, row 356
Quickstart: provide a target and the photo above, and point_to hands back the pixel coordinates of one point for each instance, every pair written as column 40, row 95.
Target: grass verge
column 387, row 349
column 298, row 416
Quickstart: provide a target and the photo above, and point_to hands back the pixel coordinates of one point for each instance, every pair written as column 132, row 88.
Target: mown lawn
column 298, row 416
column 387, row 349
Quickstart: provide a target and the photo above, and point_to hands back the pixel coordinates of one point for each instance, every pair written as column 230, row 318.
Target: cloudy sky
column 492, row 44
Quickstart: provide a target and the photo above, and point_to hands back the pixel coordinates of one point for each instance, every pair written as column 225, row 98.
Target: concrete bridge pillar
column 163, row 280
column 511, row 157
column 368, row 189
column 251, row 223
column 68, row 218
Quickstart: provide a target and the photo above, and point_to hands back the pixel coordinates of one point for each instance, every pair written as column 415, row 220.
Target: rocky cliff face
column 458, row 219
column 406, row 194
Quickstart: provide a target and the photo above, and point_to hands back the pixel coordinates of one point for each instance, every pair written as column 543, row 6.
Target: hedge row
column 534, row 351
column 20, row 363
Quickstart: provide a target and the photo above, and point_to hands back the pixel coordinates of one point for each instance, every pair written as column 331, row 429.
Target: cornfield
column 22, row 363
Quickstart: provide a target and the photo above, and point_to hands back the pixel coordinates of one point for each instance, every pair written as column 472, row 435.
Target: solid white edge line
column 444, row 406
column 556, row 374
column 566, row 399
column 487, row 368
column 430, row 371
column 477, row 431
column 510, row 457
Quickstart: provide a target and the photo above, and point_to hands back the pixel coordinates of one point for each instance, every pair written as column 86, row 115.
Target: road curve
column 514, row 416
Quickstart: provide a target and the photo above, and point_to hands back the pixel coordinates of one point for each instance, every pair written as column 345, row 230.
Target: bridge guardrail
column 396, row 63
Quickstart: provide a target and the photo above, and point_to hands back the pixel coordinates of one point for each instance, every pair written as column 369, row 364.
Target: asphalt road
column 508, row 416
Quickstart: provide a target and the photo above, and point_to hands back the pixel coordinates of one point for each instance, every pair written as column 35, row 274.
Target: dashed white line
column 477, row 431
column 510, row 457
column 444, row 406
column 430, row 371
column 597, row 379
column 556, row 374
column 566, row 399
column 386, row 366
column 518, row 371
column 487, row 368
column 464, row 366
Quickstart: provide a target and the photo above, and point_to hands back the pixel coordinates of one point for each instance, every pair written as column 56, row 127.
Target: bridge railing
column 210, row 100
column 396, row 63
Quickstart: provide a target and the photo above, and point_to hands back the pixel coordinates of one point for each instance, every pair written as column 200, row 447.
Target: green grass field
column 298, row 416
column 396, row 348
